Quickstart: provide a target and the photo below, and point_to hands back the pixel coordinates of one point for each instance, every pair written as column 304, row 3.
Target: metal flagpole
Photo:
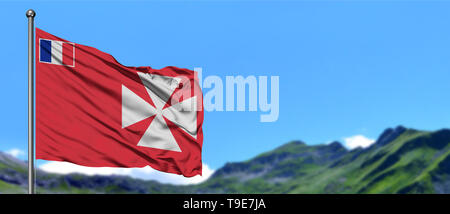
column 31, row 174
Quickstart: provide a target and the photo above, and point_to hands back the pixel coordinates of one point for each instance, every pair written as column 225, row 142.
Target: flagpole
column 31, row 174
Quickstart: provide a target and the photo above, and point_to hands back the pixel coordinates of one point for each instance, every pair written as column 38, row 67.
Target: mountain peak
column 297, row 142
column 336, row 145
column 389, row 135
column 291, row 145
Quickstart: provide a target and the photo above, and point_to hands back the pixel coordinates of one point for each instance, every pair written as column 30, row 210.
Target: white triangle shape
column 184, row 115
column 134, row 108
column 159, row 136
column 159, row 88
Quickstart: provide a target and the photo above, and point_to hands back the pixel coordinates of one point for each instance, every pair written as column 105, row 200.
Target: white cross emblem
column 158, row 134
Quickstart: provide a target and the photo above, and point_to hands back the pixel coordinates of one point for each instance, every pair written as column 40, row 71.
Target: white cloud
column 15, row 152
column 358, row 141
column 146, row 173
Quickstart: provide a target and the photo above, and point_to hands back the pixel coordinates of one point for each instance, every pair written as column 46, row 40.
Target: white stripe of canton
column 57, row 55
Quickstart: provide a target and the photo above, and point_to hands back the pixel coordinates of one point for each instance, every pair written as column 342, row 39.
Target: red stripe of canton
column 67, row 54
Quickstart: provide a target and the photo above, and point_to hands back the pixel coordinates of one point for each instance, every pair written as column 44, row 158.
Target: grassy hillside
column 400, row 161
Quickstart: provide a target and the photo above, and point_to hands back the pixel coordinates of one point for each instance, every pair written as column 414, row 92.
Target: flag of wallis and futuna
column 93, row 111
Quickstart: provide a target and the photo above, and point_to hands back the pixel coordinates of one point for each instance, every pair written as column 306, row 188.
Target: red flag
column 93, row 111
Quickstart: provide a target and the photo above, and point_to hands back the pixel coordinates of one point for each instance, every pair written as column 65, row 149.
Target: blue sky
column 346, row 68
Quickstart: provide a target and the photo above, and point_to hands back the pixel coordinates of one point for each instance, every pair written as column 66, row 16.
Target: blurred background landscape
column 402, row 160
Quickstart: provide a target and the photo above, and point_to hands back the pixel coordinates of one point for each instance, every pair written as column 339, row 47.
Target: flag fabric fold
column 93, row 111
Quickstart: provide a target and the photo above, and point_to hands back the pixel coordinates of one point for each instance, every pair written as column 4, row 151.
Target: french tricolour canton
column 93, row 111
column 56, row 52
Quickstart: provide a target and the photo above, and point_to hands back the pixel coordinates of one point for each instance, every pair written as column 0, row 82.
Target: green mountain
column 400, row 161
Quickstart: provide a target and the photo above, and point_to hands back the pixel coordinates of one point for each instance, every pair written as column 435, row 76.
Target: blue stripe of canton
column 46, row 53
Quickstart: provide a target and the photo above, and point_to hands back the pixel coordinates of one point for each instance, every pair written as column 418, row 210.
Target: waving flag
column 93, row 111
